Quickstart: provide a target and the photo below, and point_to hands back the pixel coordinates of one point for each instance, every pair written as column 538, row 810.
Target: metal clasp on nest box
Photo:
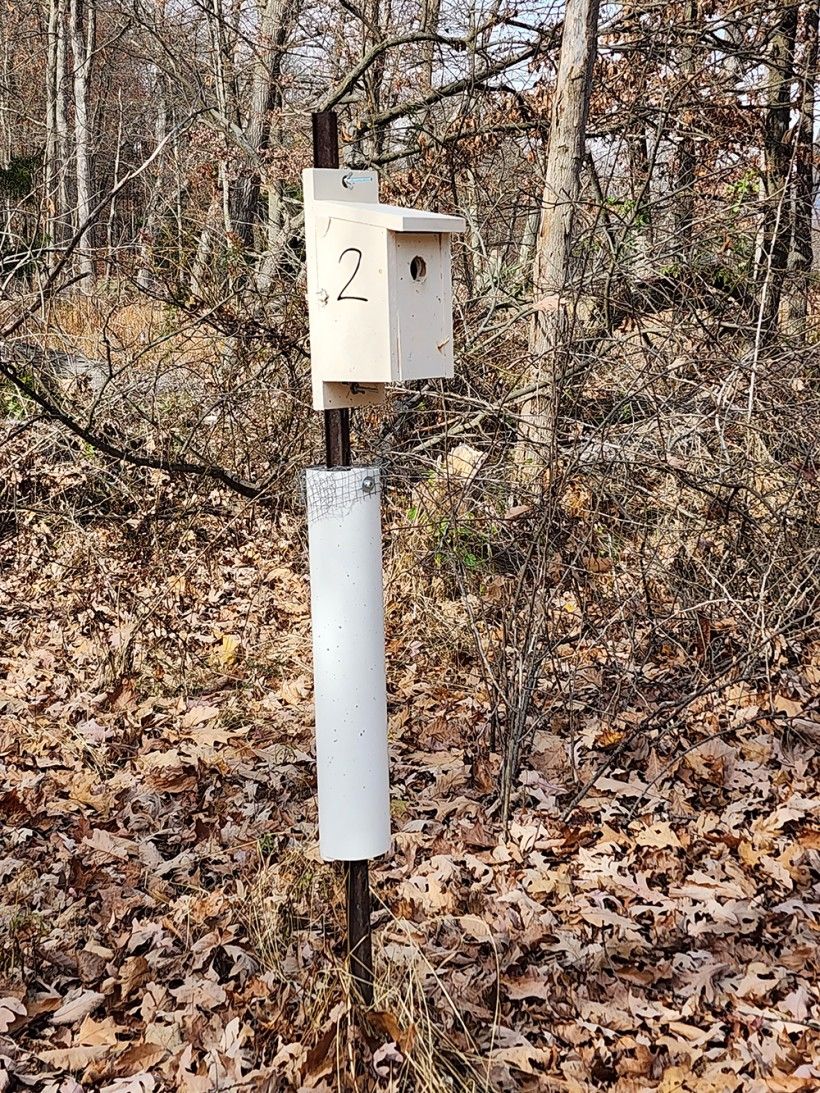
column 350, row 180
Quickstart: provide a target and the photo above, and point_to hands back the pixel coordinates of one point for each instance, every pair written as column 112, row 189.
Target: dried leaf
column 205, row 993
column 660, row 835
column 76, row 1007
column 475, row 928
column 138, row 1057
column 138, row 1083
column 72, row 1058
column 10, row 1010
column 532, row 984
column 228, row 649
column 198, row 715
column 294, row 692
column 92, row 1033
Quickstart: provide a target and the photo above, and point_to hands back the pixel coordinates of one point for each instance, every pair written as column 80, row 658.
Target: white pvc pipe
column 347, row 608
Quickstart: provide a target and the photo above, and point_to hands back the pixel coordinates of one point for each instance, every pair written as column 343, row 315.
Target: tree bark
column 430, row 13
column 227, row 98
column 774, row 252
column 83, row 34
column 204, row 247
column 277, row 18
column 687, row 156
column 555, row 284
column 51, row 164
column 157, row 195
column 642, row 229
column 110, row 256
column 802, row 253
column 373, row 81
column 57, row 212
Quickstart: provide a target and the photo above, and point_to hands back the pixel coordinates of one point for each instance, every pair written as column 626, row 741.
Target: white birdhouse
column 380, row 296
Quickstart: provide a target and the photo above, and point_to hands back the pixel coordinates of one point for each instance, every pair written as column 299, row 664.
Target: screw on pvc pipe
column 369, row 484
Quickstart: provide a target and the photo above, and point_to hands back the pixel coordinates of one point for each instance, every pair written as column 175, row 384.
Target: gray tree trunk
column 802, row 252
column 51, row 165
column 82, row 26
column 555, row 286
column 430, row 12
column 112, row 208
column 373, row 81
column 58, row 213
column 774, row 252
column 687, row 154
column 157, row 196
column 204, row 247
column 277, row 19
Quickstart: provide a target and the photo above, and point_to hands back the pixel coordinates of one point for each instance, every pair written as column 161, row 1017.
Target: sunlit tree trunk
column 7, row 90
column 687, row 157
column 777, row 220
column 529, row 238
column 51, row 166
column 56, row 211
column 65, row 187
column 642, row 227
column 226, row 93
column 110, row 257
column 802, row 253
column 204, row 247
column 374, row 77
column 274, row 236
column 277, row 18
column 82, row 25
column 157, row 193
column 554, row 274
column 430, row 11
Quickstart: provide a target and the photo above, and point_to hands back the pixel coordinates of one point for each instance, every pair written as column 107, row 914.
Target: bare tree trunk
column 642, row 227
column 56, row 214
column 83, row 34
column 774, row 252
column 51, row 165
column 64, row 190
column 7, row 91
column 430, row 12
column 474, row 265
column 156, row 195
column 226, row 93
column 275, row 237
column 112, row 208
column 687, row 156
column 374, row 77
column 529, row 238
column 277, row 18
column 802, row 254
column 205, row 246
column 554, row 288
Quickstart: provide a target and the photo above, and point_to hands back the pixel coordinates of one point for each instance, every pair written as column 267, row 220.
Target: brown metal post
column 337, row 454
column 337, row 438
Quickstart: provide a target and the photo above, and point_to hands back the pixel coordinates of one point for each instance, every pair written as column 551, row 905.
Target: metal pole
column 337, row 454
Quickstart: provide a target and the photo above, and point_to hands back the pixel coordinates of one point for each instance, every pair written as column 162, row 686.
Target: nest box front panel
column 423, row 304
column 350, row 323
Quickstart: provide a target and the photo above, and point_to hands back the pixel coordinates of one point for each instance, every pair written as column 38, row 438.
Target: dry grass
column 413, row 1038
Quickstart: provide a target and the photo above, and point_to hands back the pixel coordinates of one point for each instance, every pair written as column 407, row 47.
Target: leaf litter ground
column 167, row 924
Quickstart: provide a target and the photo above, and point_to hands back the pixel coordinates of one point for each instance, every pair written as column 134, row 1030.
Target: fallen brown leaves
column 166, row 922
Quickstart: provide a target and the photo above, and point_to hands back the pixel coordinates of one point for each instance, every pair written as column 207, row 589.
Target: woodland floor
column 166, row 923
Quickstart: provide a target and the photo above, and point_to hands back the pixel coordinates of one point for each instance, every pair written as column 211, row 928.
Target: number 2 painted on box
column 343, row 294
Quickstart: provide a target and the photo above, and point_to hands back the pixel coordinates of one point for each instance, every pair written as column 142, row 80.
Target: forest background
column 601, row 550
